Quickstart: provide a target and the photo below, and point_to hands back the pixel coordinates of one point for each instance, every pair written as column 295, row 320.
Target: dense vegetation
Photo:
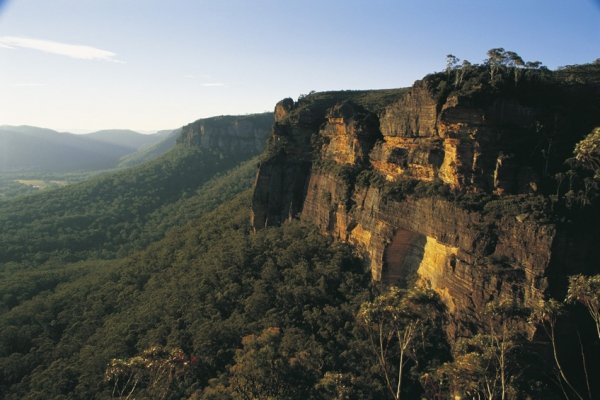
column 16, row 184
column 214, row 311
column 373, row 100
column 151, row 151
column 108, row 215
column 202, row 288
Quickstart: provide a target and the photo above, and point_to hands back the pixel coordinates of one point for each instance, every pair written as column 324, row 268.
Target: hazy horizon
column 151, row 65
column 77, row 131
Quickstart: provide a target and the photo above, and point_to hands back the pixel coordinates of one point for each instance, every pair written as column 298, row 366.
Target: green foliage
column 586, row 290
column 520, row 206
column 501, row 73
column 587, row 152
column 404, row 327
column 583, row 74
column 151, row 151
column 18, row 184
column 537, row 207
column 491, row 364
column 276, row 147
column 370, row 178
column 113, row 214
column 415, row 188
column 372, row 100
column 156, row 373
column 275, row 365
column 344, row 172
column 18, row 285
column 202, row 288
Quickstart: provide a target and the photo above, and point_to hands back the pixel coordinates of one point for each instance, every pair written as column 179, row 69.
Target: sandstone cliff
column 447, row 183
column 241, row 135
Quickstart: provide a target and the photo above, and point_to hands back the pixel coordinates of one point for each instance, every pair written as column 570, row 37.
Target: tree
column 516, row 62
column 486, row 365
column 155, row 373
column 513, row 59
column 397, row 322
column 496, row 58
column 464, row 68
column 499, row 58
column 586, row 290
column 587, row 152
column 546, row 314
column 533, row 64
column 451, row 63
column 505, row 337
column 338, row 386
column 274, row 365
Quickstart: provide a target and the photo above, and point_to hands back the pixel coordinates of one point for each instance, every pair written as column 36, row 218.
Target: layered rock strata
column 346, row 168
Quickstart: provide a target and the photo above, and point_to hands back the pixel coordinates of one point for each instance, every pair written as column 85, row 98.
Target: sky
column 146, row 65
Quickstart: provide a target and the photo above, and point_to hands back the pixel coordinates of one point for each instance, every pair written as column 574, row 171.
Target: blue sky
column 149, row 64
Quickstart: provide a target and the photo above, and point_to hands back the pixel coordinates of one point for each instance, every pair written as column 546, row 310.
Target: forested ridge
column 111, row 214
column 201, row 289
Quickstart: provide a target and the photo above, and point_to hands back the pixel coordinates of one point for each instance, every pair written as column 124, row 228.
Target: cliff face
column 443, row 184
column 243, row 135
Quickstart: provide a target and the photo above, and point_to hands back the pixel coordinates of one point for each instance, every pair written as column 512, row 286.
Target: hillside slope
column 112, row 214
column 125, row 138
column 25, row 148
column 204, row 288
column 167, row 141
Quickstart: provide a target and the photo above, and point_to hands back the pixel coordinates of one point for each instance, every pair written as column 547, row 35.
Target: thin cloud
column 64, row 49
column 215, row 84
column 28, row 84
column 204, row 77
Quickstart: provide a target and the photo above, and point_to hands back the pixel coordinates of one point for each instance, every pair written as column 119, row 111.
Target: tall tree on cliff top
column 496, row 58
column 451, row 63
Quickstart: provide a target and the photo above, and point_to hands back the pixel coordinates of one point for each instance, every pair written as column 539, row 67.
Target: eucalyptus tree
column 397, row 324
column 586, row 290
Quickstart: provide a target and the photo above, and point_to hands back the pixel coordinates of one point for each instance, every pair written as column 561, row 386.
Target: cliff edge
column 451, row 183
column 243, row 135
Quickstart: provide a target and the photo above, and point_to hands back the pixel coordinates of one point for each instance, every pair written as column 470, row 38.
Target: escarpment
column 241, row 135
column 446, row 184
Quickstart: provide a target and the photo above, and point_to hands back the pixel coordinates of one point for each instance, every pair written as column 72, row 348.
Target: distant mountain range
column 28, row 148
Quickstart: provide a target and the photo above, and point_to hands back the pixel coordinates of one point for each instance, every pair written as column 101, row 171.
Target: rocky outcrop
column 440, row 186
column 241, row 135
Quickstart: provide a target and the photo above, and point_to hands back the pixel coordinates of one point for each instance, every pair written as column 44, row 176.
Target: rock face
column 395, row 182
column 243, row 135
